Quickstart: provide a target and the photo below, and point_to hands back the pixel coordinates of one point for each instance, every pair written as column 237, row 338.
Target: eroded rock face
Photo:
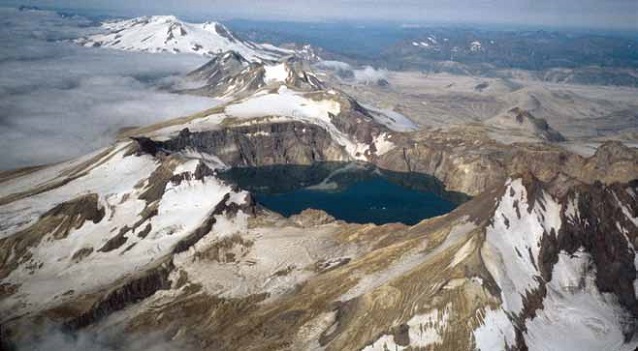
column 267, row 144
column 470, row 164
column 583, row 246
column 464, row 159
column 55, row 224
column 602, row 222
column 134, row 290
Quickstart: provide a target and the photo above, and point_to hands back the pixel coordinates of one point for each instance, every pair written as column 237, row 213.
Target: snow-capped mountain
column 230, row 74
column 169, row 34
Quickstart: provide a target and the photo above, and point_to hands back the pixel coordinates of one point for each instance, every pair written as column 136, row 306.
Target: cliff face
column 464, row 160
column 471, row 163
column 264, row 144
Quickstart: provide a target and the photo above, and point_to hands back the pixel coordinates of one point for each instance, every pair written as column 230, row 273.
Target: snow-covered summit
column 230, row 74
column 169, row 34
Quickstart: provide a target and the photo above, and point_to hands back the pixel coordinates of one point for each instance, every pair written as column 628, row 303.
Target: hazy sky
column 580, row 13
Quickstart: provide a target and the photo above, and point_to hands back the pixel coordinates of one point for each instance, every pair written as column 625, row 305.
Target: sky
column 59, row 100
column 611, row 14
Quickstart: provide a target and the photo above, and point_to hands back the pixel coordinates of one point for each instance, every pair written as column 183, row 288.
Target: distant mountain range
column 557, row 56
column 533, row 50
column 551, row 56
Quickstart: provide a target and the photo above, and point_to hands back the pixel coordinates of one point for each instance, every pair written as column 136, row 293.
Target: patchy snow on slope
column 427, row 329
column 513, row 241
column 383, row 144
column 424, row 330
column 462, row 253
column 496, row 332
column 391, row 119
column 57, row 271
column 575, row 315
column 276, row 73
column 291, row 104
column 169, row 34
column 53, row 274
column 258, row 257
column 284, row 103
column 116, row 175
column 476, row 46
column 185, row 206
column 384, row 343
column 571, row 211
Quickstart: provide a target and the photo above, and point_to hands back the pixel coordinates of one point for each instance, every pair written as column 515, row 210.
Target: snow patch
column 476, row 46
column 575, row 315
column 512, row 247
column 382, row 144
column 423, row 330
column 276, row 73
column 391, row 119
column 495, row 333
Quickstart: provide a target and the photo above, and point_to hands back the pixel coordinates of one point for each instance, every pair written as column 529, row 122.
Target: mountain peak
column 232, row 74
column 169, row 34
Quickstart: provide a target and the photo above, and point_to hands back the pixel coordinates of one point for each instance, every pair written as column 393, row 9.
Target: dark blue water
column 375, row 200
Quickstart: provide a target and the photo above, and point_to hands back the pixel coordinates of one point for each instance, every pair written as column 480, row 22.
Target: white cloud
column 58, row 100
column 365, row 75
column 369, row 75
column 47, row 335
column 334, row 65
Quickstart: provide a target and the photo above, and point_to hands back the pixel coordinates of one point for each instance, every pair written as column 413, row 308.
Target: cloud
column 59, row 100
column 334, row 65
column 369, row 75
column 49, row 336
column 348, row 74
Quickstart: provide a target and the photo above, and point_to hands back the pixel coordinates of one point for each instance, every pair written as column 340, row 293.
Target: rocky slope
column 522, row 122
column 230, row 74
column 143, row 239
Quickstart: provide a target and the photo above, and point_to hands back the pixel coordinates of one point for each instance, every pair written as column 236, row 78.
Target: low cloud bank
column 365, row 75
column 48, row 336
column 59, row 100
column 369, row 75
